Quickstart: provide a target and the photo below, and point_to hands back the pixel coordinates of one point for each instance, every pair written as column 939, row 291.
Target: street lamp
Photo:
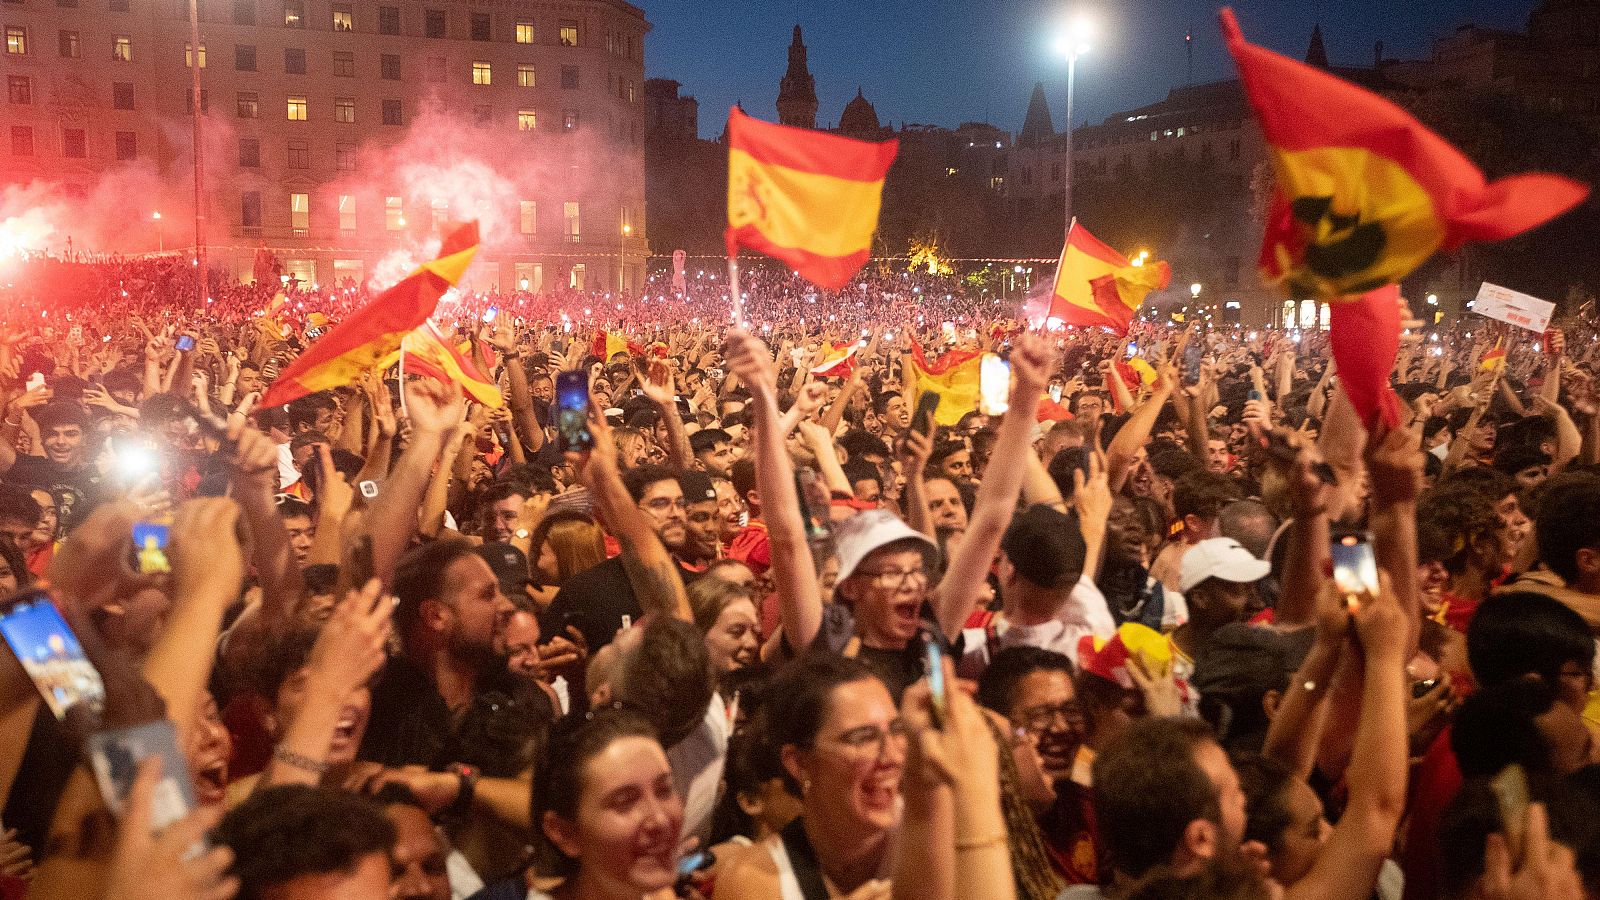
column 622, row 258
column 161, row 238
column 1072, row 43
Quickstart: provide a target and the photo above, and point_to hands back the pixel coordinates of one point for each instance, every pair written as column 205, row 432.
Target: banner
column 1514, row 308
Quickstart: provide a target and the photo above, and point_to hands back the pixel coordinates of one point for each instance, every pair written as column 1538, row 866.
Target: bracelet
column 16, row 424
column 299, row 760
column 983, row 844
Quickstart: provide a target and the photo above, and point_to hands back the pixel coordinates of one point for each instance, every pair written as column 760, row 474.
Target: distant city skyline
column 948, row 62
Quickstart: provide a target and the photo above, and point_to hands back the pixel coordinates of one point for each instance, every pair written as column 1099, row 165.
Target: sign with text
column 1515, row 308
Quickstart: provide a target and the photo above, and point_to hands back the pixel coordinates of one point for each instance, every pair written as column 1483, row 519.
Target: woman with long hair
column 563, row 544
column 726, row 615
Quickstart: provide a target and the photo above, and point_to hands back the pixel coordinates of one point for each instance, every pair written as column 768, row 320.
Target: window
column 297, row 109
column 631, row 96
column 433, row 23
column 73, row 143
column 16, row 40
column 484, row 113
column 347, row 212
column 244, row 57
column 529, row 210
column 480, row 73
column 440, row 210
column 569, row 77
column 530, row 276
column 344, row 157
column 392, row 114
column 249, row 153
column 527, row 120
column 294, row 13
column 524, row 32
column 389, row 66
column 250, row 209
column 436, row 69
column 388, row 20
column 69, row 44
column 188, row 100
column 570, row 225
column 19, row 89
column 127, row 145
column 21, row 140
column 122, row 95
column 188, row 55
column 246, row 105
column 394, row 214
column 122, row 48
column 299, row 212
column 482, row 27
column 344, row 110
column 344, row 64
column 118, row 5
column 294, row 60
column 569, row 120
column 344, row 17
column 299, row 155
column 244, row 12
column 569, row 33
column 576, row 277
column 525, row 77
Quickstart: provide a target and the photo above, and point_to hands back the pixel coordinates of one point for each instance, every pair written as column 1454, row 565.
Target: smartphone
column 994, row 385
column 1253, row 395
column 150, row 548
column 812, row 498
column 35, row 381
column 1355, row 568
column 1055, row 393
column 1419, row 688
column 1192, row 355
column 922, row 420
column 50, row 653
column 185, row 343
column 490, row 313
column 1133, row 350
column 116, row 755
column 938, row 706
column 694, row 862
column 1511, row 795
column 572, row 410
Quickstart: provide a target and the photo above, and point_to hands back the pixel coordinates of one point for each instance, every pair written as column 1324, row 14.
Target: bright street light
column 1194, row 290
column 1072, row 42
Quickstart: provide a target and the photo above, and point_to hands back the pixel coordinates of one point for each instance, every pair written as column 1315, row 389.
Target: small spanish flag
column 429, row 354
column 607, row 344
column 1096, row 285
column 1495, row 359
column 839, row 361
column 804, row 197
column 1365, row 193
column 954, row 376
column 353, row 347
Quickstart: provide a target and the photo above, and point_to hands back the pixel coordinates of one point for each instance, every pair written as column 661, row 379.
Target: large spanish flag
column 1365, row 193
column 355, row 346
column 808, row 198
column 1096, row 285
column 954, row 376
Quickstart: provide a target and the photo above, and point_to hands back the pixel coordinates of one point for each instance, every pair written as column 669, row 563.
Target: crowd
column 766, row 633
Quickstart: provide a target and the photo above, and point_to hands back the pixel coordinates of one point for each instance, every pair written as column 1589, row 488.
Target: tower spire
column 797, row 91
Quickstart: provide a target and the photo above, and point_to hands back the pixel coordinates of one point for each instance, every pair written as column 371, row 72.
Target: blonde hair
column 575, row 540
column 709, row 596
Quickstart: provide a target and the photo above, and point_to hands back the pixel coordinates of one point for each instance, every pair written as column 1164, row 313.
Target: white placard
column 1515, row 308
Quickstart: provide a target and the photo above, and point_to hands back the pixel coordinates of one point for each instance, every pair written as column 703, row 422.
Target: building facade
column 340, row 135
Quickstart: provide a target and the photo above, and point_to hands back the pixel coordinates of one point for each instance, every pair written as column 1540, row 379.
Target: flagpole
column 733, row 286
column 400, row 379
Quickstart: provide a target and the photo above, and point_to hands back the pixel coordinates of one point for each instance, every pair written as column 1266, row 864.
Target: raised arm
column 655, row 379
column 519, row 397
column 1135, row 432
column 434, row 408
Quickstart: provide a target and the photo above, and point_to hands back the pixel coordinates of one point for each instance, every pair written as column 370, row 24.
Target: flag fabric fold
column 805, row 197
column 954, row 376
column 430, row 354
column 838, row 362
column 1495, row 359
column 1097, row 286
column 1364, row 192
column 1365, row 337
column 607, row 344
column 356, row 345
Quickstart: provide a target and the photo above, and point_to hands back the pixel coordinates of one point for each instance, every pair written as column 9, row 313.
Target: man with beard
column 703, row 541
column 1133, row 531
column 600, row 601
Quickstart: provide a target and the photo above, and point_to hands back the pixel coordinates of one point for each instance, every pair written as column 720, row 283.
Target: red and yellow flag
column 430, row 354
column 838, row 362
column 954, row 376
column 1495, row 359
column 354, row 346
column 1365, row 193
column 607, row 344
column 807, row 198
column 1096, row 285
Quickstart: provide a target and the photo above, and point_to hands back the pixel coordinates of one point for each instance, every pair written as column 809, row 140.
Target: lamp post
column 161, row 237
column 622, row 258
column 1194, row 297
column 1072, row 43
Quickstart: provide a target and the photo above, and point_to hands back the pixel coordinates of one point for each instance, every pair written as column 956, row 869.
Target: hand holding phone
column 922, row 420
column 939, row 700
column 50, row 654
column 572, row 410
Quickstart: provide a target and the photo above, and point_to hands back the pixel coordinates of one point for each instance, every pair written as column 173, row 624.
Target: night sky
column 945, row 62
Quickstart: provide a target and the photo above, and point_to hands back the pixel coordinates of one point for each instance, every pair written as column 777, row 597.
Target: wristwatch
column 467, row 783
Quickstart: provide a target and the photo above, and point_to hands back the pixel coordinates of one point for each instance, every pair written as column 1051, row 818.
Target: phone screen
column 115, row 757
column 927, row 404
column 490, row 313
column 1192, row 356
column 1355, row 569
column 936, row 688
column 186, row 343
column 994, row 385
column 50, row 654
column 572, row 410
column 814, row 504
column 149, row 548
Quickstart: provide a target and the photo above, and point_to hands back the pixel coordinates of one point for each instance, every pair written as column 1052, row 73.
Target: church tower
column 797, row 92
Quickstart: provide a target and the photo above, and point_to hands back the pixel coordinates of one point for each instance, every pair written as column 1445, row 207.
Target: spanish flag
column 1495, row 359
column 804, row 197
column 430, row 354
column 1096, row 285
column 607, row 344
column 1364, row 192
column 953, row 376
column 838, row 362
column 354, row 346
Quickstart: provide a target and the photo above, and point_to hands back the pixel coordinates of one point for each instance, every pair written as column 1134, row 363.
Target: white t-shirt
column 1084, row 612
column 697, row 763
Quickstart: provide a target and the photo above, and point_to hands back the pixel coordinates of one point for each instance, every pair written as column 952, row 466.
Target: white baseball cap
column 1220, row 557
column 858, row 536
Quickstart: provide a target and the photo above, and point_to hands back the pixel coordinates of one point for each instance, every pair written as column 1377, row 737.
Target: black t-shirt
column 75, row 489
column 595, row 601
column 410, row 723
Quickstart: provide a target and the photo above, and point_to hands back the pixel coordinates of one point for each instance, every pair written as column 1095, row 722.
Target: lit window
column 344, row 18
column 571, row 225
column 69, row 44
column 530, row 216
column 16, row 39
column 527, row 120
column 294, row 13
column 576, row 278
column 344, row 109
column 188, row 55
column 300, row 212
column 347, row 212
column 481, row 73
column 569, row 33
column 122, row 48
column 394, row 214
column 525, row 76
column 524, row 32
column 297, row 109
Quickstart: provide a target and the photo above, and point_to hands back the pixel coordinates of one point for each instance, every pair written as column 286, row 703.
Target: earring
column 805, row 787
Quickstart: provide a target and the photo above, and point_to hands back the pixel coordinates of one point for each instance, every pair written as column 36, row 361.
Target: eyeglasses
column 1038, row 719
column 662, row 504
column 870, row 741
column 895, row 579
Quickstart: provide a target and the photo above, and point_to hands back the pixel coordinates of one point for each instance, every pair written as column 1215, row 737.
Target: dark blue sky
column 950, row 61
